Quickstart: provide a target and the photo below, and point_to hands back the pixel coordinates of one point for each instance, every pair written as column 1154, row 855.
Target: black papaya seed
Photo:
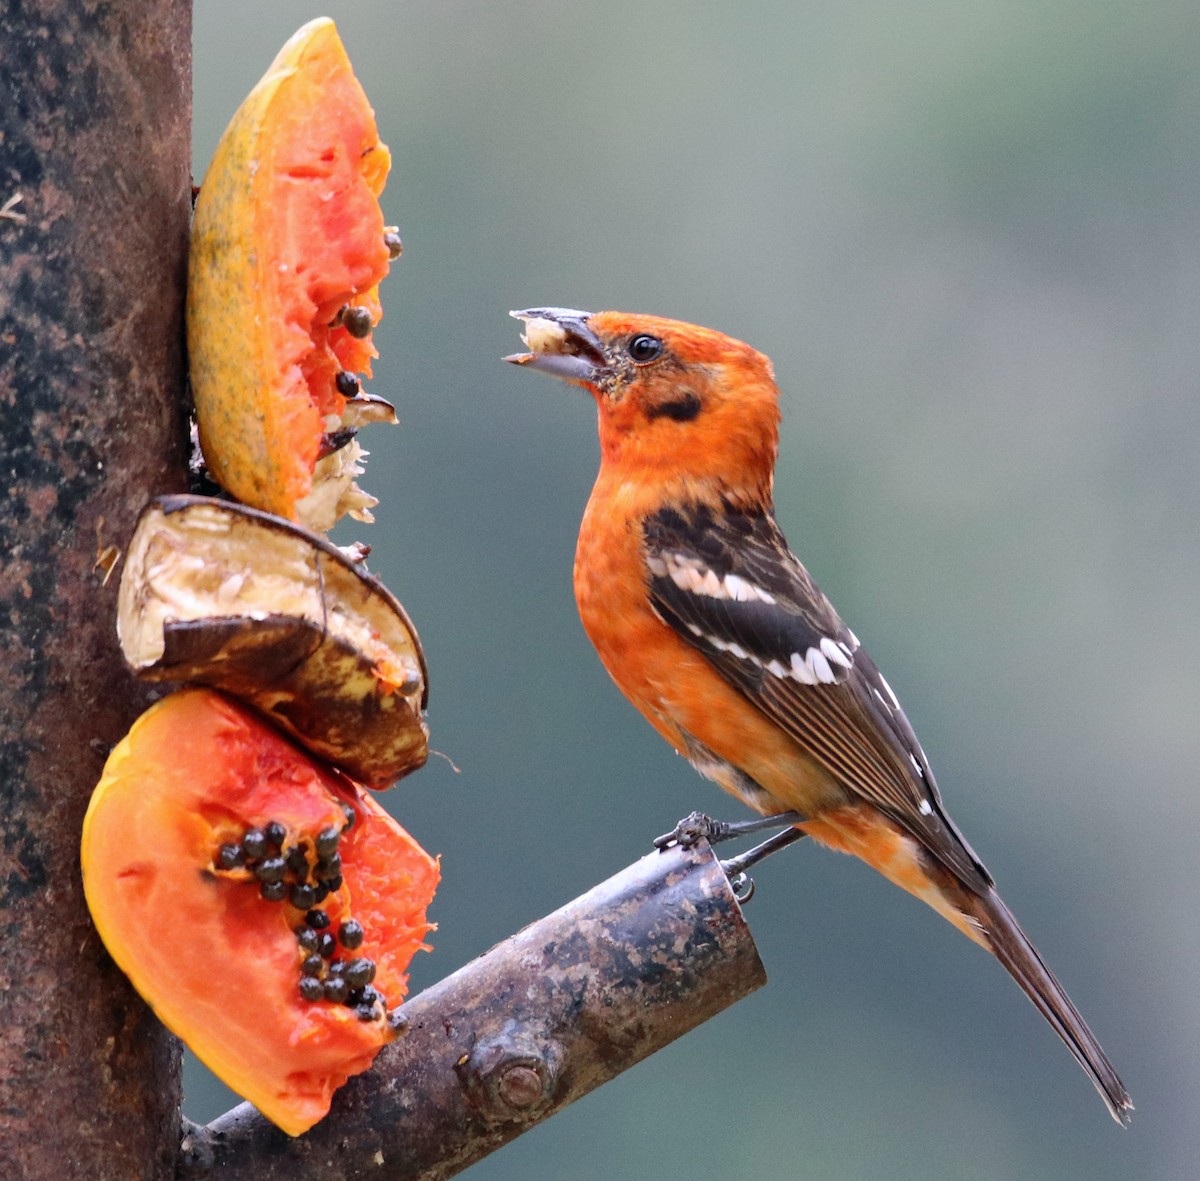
column 229, row 857
column 311, row 989
column 328, row 868
column 350, row 934
column 359, row 972
column 357, row 322
column 254, row 844
column 327, row 841
column 271, row 870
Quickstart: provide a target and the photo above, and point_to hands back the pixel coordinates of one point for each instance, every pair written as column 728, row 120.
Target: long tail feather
column 1012, row 948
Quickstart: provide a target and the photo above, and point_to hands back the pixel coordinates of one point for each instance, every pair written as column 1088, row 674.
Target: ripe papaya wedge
column 264, row 905
column 287, row 252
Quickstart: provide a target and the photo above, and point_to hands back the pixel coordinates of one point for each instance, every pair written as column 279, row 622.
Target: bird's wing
column 726, row 581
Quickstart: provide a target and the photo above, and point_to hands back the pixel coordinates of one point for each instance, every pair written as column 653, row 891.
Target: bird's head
column 675, row 401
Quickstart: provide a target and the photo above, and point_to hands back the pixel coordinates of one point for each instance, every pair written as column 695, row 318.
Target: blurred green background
column 967, row 235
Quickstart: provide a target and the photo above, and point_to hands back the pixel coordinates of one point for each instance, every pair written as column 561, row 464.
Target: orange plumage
column 717, row 634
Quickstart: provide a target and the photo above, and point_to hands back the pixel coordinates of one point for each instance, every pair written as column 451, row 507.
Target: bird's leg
column 781, row 840
column 735, row 868
column 699, row 827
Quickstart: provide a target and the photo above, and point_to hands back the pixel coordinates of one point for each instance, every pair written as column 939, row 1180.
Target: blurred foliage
column 967, row 235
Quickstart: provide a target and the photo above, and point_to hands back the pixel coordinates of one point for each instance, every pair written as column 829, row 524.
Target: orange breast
column 668, row 680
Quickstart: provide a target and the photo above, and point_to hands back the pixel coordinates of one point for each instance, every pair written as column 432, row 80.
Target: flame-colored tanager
column 715, row 631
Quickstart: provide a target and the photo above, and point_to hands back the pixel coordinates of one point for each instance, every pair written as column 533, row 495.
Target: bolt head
column 520, row 1087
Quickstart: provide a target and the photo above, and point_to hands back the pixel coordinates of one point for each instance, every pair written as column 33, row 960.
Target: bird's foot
column 697, row 827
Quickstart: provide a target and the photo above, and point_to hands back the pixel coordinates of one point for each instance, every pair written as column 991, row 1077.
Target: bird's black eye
column 644, row 347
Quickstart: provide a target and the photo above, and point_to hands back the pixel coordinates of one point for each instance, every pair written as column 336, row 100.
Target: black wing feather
column 851, row 722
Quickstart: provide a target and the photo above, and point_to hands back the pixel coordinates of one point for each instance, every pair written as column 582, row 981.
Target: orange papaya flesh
column 288, row 250
column 264, row 905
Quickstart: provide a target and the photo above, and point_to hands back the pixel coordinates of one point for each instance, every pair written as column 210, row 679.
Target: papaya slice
column 240, row 600
column 288, row 249
column 265, row 906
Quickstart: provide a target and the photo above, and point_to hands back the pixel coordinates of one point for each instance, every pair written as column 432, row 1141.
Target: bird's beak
column 561, row 344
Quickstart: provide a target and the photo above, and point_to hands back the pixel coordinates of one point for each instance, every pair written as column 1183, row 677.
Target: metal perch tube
column 514, row 1036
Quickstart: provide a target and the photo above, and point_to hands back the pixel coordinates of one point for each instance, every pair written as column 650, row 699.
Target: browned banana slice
column 223, row 595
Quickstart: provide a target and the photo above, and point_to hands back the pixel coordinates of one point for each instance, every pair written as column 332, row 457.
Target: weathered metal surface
column 516, row 1035
column 94, row 203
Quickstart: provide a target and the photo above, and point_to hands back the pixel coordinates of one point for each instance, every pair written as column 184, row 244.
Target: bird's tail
column 1012, row 948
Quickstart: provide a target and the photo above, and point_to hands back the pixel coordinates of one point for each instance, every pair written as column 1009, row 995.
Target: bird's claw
column 698, row 826
column 742, row 886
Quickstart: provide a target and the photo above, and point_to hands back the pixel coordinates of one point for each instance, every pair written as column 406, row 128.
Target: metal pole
column 95, row 115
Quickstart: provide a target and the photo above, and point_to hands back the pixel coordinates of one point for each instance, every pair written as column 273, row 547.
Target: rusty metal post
column 95, row 133
column 516, row 1035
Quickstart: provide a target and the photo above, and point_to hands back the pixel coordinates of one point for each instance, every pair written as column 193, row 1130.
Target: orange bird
column 715, row 631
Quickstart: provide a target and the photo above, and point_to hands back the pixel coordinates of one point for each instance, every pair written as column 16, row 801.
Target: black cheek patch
column 681, row 409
